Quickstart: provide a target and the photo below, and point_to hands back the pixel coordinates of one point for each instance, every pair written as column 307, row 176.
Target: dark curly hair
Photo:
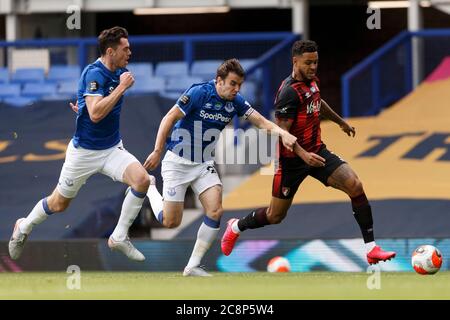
column 110, row 38
column 301, row 46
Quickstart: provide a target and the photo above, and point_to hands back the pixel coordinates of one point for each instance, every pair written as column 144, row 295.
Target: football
column 278, row 264
column 426, row 259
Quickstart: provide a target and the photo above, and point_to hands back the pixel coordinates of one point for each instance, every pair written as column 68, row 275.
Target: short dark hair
column 301, row 46
column 110, row 38
column 230, row 65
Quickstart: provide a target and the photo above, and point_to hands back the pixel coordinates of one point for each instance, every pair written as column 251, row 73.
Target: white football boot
column 17, row 241
column 195, row 272
column 127, row 248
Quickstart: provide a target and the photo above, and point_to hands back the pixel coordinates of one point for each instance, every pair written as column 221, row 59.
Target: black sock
column 256, row 219
column 363, row 215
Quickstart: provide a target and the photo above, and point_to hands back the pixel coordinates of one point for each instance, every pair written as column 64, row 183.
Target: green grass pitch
column 224, row 286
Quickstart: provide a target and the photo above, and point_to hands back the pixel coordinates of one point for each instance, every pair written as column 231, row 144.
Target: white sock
column 156, row 201
column 235, row 227
column 130, row 209
column 35, row 217
column 205, row 237
column 370, row 246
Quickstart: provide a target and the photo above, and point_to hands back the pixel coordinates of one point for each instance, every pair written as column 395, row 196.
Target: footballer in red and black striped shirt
column 299, row 108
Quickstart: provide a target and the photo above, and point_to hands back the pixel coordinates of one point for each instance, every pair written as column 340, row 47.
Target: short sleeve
column 94, row 83
column 243, row 107
column 287, row 103
column 190, row 99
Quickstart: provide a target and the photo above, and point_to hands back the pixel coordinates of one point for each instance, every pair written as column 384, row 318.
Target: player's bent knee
column 171, row 223
column 58, row 206
column 355, row 187
column 216, row 214
column 142, row 183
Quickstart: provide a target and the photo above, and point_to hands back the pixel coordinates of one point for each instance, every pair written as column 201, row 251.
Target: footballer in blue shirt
column 96, row 146
column 191, row 130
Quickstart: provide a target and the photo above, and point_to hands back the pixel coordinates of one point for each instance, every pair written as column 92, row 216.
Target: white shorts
column 82, row 163
column 179, row 173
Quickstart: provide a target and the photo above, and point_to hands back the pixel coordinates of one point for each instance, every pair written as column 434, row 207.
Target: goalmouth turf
column 225, row 286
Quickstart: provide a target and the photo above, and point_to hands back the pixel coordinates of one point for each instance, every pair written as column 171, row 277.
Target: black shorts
column 292, row 171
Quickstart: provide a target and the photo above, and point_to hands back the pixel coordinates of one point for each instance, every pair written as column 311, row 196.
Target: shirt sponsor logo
column 216, row 116
column 314, row 106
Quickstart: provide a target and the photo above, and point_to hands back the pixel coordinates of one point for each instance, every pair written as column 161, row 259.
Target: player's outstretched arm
column 262, row 123
column 329, row 113
column 165, row 128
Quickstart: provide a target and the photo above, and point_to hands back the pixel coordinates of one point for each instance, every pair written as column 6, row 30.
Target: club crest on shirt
column 184, row 99
column 93, row 86
column 229, row 107
column 285, row 191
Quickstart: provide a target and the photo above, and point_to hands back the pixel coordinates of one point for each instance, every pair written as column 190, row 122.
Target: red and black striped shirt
column 300, row 101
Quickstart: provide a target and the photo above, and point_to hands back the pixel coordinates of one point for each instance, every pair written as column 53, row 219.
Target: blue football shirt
column 97, row 80
column 206, row 115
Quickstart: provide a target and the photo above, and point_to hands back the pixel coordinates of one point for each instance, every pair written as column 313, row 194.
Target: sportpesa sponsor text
column 216, row 116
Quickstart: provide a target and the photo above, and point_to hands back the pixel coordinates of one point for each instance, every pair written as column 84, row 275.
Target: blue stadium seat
column 180, row 84
column 24, row 75
column 60, row 73
column 9, row 90
column 205, row 69
column 171, row 69
column 68, row 89
column 39, row 90
column 141, row 70
column 4, row 75
column 19, row 102
column 151, row 85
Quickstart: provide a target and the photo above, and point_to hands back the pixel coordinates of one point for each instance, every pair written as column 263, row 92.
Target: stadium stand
column 24, row 75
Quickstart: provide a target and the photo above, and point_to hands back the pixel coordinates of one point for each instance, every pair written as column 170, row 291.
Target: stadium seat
column 9, row 90
column 68, row 89
column 171, row 69
column 141, row 70
column 24, row 75
column 19, row 102
column 180, row 84
column 205, row 69
column 151, row 85
column 39, row 90
column 60, row 73
column 4, row 75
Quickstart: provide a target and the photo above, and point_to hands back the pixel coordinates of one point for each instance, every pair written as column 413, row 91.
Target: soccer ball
column 426, row 259
column 279, row 264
